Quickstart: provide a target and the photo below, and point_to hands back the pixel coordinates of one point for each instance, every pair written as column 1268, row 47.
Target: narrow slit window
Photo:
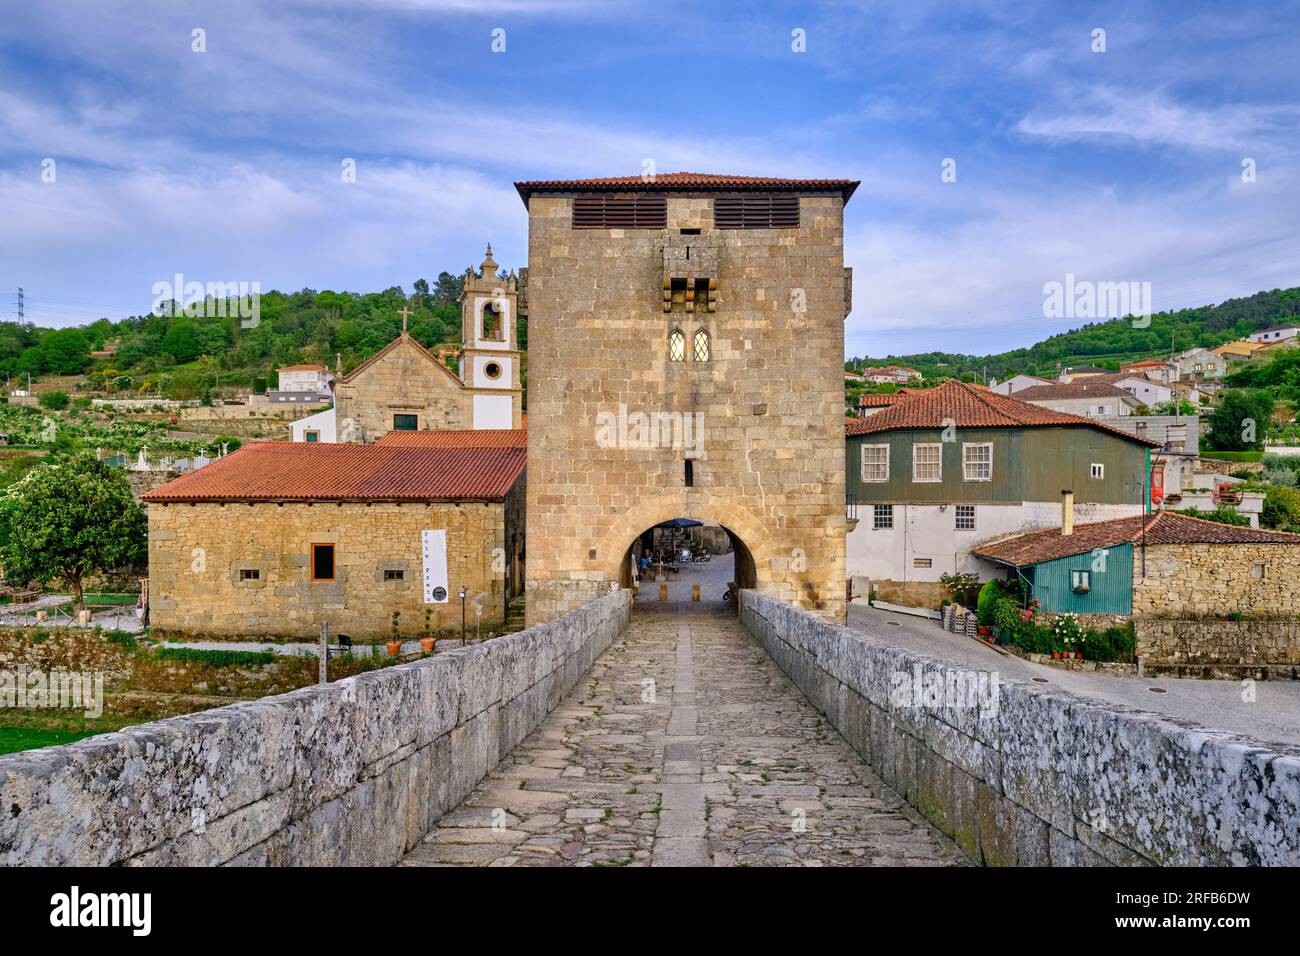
column 690, row 473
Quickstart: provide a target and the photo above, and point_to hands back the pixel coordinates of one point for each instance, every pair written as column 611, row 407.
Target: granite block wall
column 350, row 773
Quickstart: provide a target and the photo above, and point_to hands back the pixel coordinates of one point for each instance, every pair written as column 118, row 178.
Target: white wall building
column 321, row 427
column 1279, row 333
column 306, row 378
column 1017, row 383
column 1089, row 399
column 1144, row 390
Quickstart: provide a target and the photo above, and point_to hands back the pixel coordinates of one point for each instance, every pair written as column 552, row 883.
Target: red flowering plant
column 1030, row 611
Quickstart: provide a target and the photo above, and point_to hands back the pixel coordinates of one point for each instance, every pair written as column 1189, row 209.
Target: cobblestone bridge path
column 721, row 761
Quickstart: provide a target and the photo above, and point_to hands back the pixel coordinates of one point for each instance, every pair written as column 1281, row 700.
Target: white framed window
column 965, row 518
column 882, row 517
column 875, row 462
column 1097, row 470
column 977, row 461
column 927, row 462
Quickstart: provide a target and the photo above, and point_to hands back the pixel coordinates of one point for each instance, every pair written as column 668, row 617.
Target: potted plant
column 395, row 641
column 428, row 642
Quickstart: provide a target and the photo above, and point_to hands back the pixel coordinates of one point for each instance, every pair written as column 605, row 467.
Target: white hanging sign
column 434, row 548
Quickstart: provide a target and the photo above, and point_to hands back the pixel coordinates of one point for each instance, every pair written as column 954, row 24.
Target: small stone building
column 1164, row 564
column 405, row 387
column 279, row 537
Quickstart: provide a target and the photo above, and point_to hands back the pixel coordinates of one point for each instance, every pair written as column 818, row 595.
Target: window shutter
column 756, row 212
column 608, row 212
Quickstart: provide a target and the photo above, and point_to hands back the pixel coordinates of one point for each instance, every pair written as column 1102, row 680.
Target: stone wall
column 196, row 553
column 344, row 774
column 1039, row 777
column 402, row 379
column 769, row 399
column 1247, row 644
column 1181, row 579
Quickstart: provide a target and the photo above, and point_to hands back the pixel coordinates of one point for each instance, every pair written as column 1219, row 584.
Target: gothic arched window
column 676, row 346
column 701, row 346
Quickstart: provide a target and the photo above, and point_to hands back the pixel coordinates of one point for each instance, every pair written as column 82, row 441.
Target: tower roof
column 685, row 182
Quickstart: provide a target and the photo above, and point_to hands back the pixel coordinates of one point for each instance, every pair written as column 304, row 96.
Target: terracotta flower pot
column 1056, row 655
column 394, row 648
column 426, row 644
column 983, row 631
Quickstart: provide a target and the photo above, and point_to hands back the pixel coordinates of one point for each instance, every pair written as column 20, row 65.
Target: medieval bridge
column 660, row 737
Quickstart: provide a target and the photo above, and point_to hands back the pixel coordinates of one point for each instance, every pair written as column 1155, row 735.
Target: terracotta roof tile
column 673, row 182
column 1088, row 388
column 968, row 407
column 458, row 438
column 302, row 368
column 301, row 471
column 1163, row 527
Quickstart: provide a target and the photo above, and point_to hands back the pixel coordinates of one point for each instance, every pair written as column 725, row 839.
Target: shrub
column 1066, row 633
column 218, row 658
column 1116, row 643
column 1006, row 615
column 988, row 596
column 965, row 587
column 55, row 401
column 1281, row 506
column 1033, row 638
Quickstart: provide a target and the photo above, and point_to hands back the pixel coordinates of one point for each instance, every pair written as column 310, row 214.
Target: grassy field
column 14, row 739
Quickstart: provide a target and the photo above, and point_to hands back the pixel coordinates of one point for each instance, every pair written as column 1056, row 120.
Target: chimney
column 1067, row 513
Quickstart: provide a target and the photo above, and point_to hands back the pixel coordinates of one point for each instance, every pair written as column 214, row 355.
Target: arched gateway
column 686, row 346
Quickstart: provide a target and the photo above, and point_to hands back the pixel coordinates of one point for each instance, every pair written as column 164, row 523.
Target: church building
column 404, row 386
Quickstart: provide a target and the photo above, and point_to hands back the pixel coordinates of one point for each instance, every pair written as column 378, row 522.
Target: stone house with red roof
column 279, row 537
column 1164, row 564
column 932, row 477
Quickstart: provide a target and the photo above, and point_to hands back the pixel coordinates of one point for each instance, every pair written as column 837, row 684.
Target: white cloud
column 1155, row 118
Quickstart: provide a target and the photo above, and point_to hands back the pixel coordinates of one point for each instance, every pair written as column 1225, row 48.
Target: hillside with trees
column 1111, row 343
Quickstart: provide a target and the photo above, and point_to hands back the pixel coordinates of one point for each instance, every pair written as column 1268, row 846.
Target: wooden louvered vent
column 756, row 212
column 607, row 212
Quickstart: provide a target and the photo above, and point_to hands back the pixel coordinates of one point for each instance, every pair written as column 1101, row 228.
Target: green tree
column 1281, row 507
column 1241, row 420
column 57, row 401
column 68, row 519
column 65, row 351
column 182, row 341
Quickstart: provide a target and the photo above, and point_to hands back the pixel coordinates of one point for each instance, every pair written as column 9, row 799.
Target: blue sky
column 225, row 165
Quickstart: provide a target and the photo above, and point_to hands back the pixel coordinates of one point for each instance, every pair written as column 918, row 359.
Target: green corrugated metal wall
column 1111, row 589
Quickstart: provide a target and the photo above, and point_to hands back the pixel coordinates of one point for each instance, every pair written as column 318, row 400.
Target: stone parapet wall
column 1041, row 777
column 1251, row 643
column 344, row 774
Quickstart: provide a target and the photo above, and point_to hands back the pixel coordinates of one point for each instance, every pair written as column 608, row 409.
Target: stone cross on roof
column 405, row 314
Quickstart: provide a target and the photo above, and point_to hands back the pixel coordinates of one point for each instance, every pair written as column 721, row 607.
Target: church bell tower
column 489, row 361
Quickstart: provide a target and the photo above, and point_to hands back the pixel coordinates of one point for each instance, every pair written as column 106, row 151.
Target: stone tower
column 489, row 362
column 686, row 341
